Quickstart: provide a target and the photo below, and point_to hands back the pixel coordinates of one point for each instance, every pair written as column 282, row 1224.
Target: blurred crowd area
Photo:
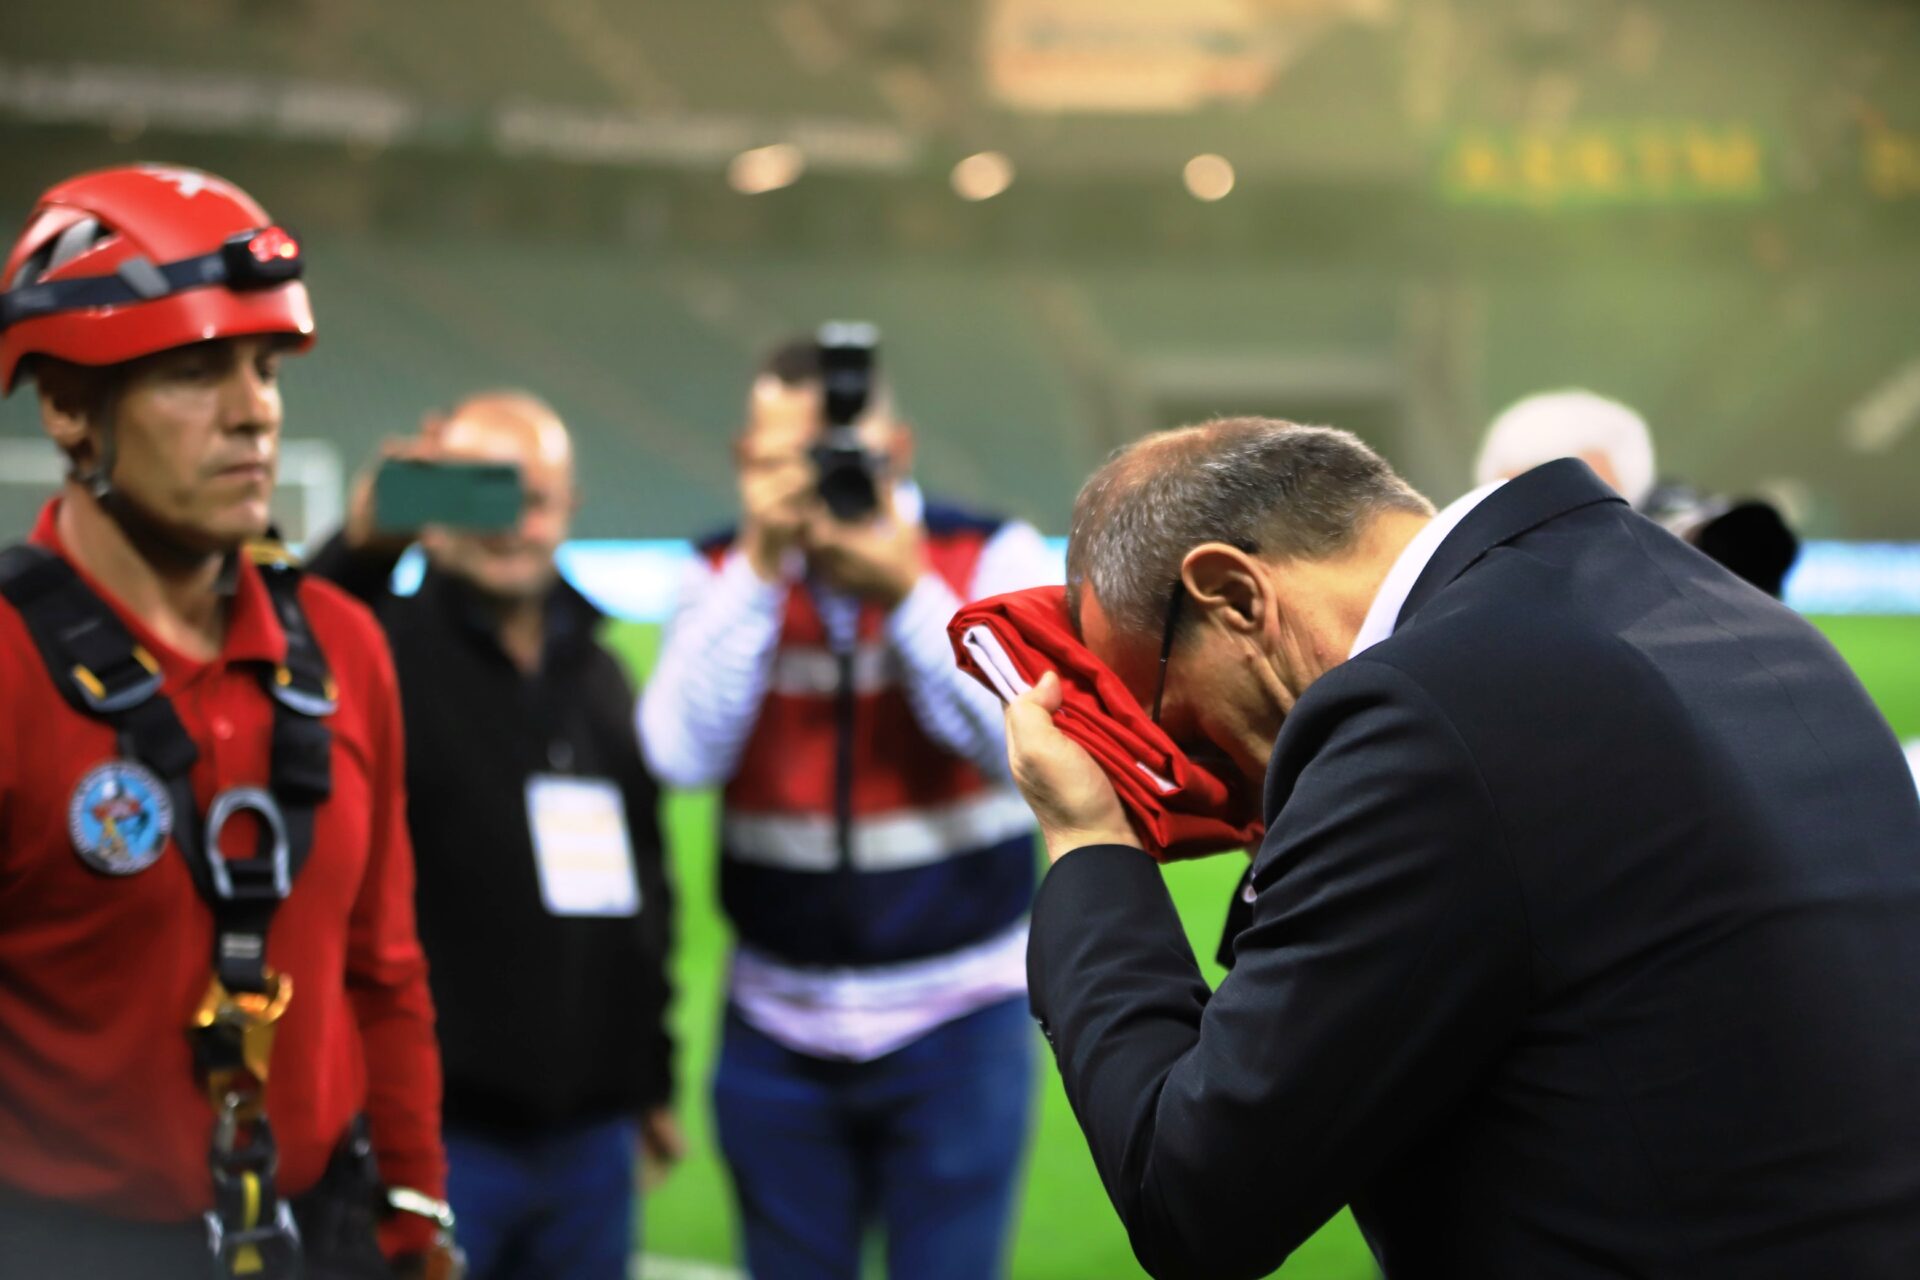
column 1072, row 221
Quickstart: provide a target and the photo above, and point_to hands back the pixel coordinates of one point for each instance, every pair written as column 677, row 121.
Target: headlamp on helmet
column 260, row 258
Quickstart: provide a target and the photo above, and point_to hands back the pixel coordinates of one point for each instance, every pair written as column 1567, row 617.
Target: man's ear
column 67, row 406
column 1227, row 584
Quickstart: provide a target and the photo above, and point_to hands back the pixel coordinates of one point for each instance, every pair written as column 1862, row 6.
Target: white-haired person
column 1746, row 535
column 1603, row 433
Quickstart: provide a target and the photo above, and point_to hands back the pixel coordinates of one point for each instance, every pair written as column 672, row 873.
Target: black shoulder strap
column 99, row 668
column 304, row 684
column 304, row 695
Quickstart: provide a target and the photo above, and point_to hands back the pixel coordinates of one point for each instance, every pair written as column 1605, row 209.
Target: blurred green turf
column 1885, row 652
column 1067, row 1230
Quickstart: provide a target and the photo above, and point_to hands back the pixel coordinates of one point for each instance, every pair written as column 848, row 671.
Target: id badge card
column 580, row 846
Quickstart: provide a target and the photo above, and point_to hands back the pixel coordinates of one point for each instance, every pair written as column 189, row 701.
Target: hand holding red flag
column 1177, row 808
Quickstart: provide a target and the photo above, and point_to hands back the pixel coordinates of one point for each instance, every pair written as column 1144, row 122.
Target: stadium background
column 1429, row 207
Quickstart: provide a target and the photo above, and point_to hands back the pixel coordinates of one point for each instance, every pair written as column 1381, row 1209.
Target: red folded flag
column 1179, row 809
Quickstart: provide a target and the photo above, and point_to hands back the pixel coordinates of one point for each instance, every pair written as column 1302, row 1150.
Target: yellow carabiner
column 256, row 1015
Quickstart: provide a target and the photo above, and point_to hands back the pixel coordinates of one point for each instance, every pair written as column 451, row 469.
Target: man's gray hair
column 1268, row 487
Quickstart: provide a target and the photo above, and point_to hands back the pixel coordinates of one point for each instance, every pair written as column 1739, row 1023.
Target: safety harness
column 103, row 672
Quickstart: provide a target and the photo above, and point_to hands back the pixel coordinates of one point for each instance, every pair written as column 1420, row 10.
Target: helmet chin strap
column 153, row 539
column 98, row 478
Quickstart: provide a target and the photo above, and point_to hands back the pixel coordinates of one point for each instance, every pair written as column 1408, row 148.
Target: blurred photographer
column 1747, row 536
column 875, row 863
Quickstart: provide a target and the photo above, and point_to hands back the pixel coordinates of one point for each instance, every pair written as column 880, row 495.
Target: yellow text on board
column 1652, row 163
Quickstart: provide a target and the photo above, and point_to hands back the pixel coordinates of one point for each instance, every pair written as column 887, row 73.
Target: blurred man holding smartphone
column 876, row 866
column 544, row 906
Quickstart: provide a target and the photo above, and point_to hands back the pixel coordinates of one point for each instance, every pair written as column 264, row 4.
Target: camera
column 849, row 472
column 1745, row 535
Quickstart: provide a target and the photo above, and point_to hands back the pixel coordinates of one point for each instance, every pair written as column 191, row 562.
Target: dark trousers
column 925, row 1142
column 48, row 1240
column 558, row 1204
column 45, row 1240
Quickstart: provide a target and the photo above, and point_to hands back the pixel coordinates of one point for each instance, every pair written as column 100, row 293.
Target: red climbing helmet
column 125, row 262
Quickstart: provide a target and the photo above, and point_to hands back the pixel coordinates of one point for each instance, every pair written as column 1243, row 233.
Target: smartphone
column 480, row 497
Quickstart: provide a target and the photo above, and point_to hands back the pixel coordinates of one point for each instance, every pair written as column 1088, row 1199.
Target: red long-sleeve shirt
column 100, row 1104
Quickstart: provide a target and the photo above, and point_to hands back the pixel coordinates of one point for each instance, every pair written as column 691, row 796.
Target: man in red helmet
column 214, row 1016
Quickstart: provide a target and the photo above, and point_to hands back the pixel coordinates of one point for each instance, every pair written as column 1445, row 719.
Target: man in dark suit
column 1585, row 936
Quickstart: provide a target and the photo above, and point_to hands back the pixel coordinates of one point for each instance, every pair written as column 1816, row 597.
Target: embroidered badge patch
column 119, row 818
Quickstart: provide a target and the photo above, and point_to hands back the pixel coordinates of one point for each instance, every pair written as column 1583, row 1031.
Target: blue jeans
column 926, row 1142
column 558, row 1204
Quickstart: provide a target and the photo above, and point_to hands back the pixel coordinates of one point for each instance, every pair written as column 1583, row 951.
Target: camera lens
column 847, row 481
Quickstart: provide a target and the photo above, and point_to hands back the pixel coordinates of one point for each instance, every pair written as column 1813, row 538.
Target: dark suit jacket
column 1585, row 942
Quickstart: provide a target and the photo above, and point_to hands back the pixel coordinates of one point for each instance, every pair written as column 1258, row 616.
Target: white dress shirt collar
column 1384, row 614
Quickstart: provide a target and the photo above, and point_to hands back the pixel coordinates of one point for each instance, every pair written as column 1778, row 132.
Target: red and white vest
column 848, row 836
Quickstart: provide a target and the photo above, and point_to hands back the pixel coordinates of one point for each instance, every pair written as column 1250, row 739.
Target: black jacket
column 1585, row 942
column 543, row 1020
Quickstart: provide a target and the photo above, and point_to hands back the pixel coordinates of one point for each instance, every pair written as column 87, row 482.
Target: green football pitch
column 1067, row 1230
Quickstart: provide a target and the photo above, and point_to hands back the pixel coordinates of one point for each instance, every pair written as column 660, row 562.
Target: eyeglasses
column 1174, row 602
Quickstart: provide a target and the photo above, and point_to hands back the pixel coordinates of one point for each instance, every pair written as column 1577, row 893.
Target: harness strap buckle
column 250, row 1229
column 268, row 1250
column 119, row 687
column 309, row 695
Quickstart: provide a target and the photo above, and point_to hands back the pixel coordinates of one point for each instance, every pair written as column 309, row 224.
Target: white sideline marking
column 650, row 1267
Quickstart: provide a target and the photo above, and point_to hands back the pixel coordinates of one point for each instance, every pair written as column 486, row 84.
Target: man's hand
column 442, row 1262
column 662, row 1146
column 880, row 560
column 776, row 498
column 1069, row 794
column 362, row 530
